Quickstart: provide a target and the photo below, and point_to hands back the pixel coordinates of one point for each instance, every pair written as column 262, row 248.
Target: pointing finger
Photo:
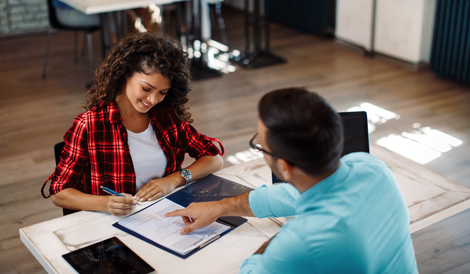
column 178, row 212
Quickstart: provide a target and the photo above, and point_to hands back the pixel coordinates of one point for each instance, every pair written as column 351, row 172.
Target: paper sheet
column 152, row 224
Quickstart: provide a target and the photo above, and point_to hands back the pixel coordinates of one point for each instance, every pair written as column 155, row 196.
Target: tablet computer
column 108, row 256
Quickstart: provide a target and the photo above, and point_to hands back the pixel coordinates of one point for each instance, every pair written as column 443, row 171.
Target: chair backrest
column 53, row 21
column 57, row 153
column 56, row 24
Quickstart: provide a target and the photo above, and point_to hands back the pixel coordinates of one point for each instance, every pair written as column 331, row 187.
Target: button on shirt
column 354, row 221
column 96, row 149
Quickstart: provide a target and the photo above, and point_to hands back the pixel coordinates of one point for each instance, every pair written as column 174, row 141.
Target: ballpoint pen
column 112, row 192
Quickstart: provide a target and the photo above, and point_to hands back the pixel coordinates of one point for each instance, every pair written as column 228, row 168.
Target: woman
column 135, row 132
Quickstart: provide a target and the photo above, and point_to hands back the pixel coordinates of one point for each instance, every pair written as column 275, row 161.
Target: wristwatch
column 186, row 174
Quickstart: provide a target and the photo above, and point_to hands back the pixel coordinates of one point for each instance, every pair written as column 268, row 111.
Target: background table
column 112, row 17
column 113, row 20
column 429, row 197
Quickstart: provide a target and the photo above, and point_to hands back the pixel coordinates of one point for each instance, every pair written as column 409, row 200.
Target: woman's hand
column 74, row 199
column 156, row 188
column 119, row 206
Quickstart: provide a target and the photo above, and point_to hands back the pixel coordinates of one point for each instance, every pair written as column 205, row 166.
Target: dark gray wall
column 22, row 16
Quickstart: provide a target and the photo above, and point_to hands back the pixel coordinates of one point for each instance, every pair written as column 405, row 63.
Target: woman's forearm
column 72, row 198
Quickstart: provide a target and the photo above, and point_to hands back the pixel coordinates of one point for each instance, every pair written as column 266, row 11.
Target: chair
column 57, row 153
column 56, row 26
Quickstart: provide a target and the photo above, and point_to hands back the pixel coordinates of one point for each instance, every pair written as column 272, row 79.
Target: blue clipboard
column 209, row 188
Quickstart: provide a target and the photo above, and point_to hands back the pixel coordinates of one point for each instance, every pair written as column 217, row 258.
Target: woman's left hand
column 155, row 189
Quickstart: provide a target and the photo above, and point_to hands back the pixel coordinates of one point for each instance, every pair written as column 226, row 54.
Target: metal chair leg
column 49, row 33
column 84, row 46
column 75, row 47
column 90, row 54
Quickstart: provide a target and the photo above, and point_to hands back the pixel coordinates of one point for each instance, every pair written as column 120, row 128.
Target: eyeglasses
column 254, row 144
column 257, row 147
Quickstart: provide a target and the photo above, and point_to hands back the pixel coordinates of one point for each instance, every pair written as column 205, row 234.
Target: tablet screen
column 108, row 256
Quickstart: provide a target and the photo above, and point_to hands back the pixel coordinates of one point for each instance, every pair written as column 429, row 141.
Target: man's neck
column 304, row 181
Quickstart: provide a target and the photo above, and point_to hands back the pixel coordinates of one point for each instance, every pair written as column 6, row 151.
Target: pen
column 112, row 192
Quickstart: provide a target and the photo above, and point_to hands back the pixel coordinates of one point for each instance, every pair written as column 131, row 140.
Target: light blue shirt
column 354, row 221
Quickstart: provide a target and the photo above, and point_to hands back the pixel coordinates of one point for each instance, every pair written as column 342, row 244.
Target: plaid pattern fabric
column 96, row 151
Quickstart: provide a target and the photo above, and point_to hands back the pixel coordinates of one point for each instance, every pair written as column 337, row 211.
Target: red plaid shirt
column 96, row 151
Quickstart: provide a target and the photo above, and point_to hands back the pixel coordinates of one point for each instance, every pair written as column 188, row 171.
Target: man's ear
column 285, row 169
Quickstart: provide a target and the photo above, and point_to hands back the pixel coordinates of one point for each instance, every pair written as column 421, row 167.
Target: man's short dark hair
column 303, row 129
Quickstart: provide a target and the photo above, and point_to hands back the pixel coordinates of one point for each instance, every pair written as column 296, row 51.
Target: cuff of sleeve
column 274, row 201
column 258, row 200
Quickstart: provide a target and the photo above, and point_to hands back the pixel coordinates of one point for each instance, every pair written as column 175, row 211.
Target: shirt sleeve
column 275, row 201
column 74, row 159
column 286, row 253
column 199, row 145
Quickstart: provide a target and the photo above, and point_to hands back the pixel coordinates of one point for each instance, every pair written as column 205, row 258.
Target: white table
column 429, row 196
column 104, row 6
column 49, row 240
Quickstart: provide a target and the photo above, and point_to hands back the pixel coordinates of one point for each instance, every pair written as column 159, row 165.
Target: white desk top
column 49, row 240
column 102, row 6
column 429, row 196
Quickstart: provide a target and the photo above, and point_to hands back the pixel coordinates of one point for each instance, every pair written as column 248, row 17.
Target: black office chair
column 56, row 26
column 57, row 153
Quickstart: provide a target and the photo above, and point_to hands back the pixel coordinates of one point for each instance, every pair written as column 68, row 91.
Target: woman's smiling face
column 145, row 91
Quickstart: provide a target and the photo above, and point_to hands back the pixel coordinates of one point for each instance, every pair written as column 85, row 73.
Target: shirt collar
column 325, row 186
column 113, row 110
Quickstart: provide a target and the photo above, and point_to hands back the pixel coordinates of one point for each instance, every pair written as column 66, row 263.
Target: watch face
column 186, row 174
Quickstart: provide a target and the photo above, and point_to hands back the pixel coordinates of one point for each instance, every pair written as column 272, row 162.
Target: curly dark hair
column 146, row 53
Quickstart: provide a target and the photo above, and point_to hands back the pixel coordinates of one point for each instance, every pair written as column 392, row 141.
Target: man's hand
column 119, row 206
column 197, row 215
column 155, row 189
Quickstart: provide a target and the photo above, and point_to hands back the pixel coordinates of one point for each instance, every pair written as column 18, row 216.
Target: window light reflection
column 409, row 148
column 244, row 156
column 421, row 144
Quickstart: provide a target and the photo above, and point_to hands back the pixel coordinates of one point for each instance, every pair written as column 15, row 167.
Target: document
column 153, row 225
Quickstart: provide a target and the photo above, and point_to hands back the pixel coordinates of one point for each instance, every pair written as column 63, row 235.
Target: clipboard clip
column 206, row 239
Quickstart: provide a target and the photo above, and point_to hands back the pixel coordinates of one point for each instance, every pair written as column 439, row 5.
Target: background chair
column 56, row 26
column 57, row 153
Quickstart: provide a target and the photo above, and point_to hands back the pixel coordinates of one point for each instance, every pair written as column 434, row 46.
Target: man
column 351, row 215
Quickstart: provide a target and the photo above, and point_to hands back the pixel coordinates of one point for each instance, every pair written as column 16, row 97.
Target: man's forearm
column 236, row 206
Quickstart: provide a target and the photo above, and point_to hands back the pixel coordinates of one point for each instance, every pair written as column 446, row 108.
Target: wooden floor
column 35, row 113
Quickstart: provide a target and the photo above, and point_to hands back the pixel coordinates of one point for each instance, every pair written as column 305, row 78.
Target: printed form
column 153, row 225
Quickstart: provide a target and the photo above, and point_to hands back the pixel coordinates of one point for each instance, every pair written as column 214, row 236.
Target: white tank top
column 147, row 156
